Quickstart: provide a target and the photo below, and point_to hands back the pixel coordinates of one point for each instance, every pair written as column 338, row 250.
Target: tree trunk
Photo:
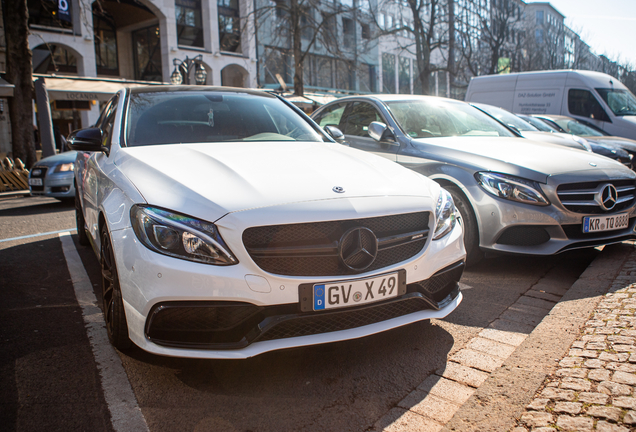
column 451, row 43
column 20, row 74
column 295, row 12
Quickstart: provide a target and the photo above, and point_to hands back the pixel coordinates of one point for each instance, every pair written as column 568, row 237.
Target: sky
column 607, row 26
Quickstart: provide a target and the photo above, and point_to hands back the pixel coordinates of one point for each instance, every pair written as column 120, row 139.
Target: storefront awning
column 78, row 89
column 6, row 89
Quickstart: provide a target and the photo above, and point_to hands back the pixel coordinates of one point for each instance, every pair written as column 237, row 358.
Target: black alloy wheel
column 80, row 223
column 112, row 302
column 469, row 223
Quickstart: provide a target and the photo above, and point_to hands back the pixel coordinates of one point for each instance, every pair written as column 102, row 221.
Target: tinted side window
column 331, row 116
column 358, row 120
column 583, row 103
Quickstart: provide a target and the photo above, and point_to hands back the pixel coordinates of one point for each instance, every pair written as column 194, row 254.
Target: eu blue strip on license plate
column 319, row 297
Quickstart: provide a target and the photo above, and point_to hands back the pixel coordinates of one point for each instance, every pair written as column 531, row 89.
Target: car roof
column 396, row 98
column 197, row 88
column 553, row 116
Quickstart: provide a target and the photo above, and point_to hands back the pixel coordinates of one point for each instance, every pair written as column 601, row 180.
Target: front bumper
column 55, row 185
column 152, row 283
column 511, row 227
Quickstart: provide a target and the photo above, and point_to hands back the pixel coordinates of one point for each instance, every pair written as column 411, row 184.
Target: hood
column 624, row 143
column 57, row 159
column 520, row 157
column 213, row 179
column 566, row 140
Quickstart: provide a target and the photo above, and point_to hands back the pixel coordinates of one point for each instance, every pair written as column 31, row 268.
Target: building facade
column 140, row 41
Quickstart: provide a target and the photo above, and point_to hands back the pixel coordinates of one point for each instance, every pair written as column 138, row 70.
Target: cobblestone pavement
column 429, row 407
column 595, row 385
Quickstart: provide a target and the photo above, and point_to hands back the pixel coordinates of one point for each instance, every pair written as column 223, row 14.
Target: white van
column 591, row 97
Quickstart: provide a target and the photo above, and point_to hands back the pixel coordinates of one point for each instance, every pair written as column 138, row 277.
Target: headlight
column 511, row 188
column 64, row 167
column 180, row 236
column 444, row 214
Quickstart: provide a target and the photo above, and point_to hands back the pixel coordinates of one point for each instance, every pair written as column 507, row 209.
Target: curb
column 501, row 399
column 14, row 194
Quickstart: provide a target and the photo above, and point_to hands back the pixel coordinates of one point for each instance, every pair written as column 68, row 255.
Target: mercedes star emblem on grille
column 358, row 248
column 338, row 189
column 608, row 197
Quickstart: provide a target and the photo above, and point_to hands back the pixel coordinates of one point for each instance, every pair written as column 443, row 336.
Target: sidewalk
column 593, row 389
column 545, row 364
column 576, row 371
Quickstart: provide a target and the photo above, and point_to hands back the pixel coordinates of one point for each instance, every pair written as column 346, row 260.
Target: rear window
column 202, row 117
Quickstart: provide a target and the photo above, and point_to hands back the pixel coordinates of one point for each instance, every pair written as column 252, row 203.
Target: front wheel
column 112, row 302
column 469, row 222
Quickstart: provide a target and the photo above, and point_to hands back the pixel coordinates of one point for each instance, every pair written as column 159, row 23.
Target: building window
column 53, row 59
column 105, row 38
column 344, row 75
column 388, row 73
column 404, row 75
column 50, row 13
column 366, row 31
column 147, row 54
column 277, row 63
column 189, row 27
column 348, row 30
column 367, row 78
column 229, row 25
column 539, row 17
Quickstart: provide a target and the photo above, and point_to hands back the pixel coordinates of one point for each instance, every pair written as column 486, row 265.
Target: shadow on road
column 48, row 373
column 34, row 206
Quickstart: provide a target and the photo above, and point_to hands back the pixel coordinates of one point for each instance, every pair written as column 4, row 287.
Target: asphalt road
column 51, row 380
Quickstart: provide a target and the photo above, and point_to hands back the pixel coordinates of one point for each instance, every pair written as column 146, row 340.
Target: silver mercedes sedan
column 514, row 196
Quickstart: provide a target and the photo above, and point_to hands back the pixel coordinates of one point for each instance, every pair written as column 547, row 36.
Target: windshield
column 439, row 118
column 538, row 123
column 574, row 127
column 507, row 118
column 206, row 116
column 621, row 102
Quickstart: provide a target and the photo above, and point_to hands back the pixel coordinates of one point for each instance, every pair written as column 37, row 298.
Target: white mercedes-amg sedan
column 228, row 224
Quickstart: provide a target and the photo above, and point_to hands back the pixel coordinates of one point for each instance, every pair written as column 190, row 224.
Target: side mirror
column 380, row 132
column 335, row 133
column 86, row 140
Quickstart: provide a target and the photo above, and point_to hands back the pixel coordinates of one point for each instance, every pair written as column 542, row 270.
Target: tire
column 82, row 237
column 112, row 301
column 469, row 222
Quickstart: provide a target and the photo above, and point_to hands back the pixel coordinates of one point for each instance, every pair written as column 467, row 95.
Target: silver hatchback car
column 514, row 195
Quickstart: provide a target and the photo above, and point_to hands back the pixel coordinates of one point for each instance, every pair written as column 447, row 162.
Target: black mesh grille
column 323, row 233
column 220, row 322
column 440, row 284
column 330, row 322
column 524, row 236
column 568, row 200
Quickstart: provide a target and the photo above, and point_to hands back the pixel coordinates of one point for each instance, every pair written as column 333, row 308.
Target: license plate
column 605, row 223
column 35, row 181
column 355, row 292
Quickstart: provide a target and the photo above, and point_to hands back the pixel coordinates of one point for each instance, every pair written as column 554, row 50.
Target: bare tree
column 300, row 26
column 497, row 35
column 19, row 73
column 426, row 22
